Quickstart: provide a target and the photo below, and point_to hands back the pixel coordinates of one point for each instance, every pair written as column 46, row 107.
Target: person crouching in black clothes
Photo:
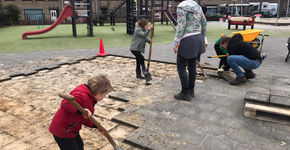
column 241, row 54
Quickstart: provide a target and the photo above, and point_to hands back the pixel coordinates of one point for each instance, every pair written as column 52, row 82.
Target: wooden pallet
column 267, row 113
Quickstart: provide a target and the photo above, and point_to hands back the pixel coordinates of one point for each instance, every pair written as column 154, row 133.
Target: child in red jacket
column 67, row 121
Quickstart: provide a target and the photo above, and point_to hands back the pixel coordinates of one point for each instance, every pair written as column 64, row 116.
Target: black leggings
column 70, row 143
column 187, row 79
column 139, row 60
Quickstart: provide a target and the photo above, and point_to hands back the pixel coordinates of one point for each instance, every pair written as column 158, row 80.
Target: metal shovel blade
column 148, row 77
column 118, row 148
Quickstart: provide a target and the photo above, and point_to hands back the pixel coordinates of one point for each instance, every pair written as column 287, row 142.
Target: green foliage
column 4, row 19
column 9, row 15
column 13, row 13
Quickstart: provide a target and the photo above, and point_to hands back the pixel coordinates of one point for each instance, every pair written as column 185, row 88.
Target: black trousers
column 187, row 80
column 140, row 60
column 70, row 143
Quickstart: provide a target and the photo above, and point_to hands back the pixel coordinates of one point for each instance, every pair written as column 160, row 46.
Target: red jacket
column 66, row 122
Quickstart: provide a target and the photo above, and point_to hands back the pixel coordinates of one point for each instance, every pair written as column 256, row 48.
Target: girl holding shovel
column 138, row 45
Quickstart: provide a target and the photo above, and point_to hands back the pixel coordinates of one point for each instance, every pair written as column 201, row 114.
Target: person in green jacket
column 138, row 45
column 221, row 51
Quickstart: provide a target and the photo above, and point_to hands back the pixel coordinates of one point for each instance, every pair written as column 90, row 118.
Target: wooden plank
column 267, row 113
column 269, row 109
column 270, row 119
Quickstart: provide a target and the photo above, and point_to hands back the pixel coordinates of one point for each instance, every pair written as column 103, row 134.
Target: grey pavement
column 213, row 120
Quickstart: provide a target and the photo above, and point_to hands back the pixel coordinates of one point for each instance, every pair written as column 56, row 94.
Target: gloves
column 205, row 41
column 175, row 46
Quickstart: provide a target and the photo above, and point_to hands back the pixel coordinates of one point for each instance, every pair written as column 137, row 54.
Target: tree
column 4, row 19
column 9, row 15
column 13, row 13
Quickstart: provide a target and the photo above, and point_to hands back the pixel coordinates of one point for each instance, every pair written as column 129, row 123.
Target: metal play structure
column 84, row 10
column 142, row 9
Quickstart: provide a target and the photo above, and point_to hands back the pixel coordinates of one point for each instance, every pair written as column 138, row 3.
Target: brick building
column 49, row 10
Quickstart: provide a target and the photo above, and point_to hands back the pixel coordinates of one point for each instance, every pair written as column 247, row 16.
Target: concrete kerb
column 52, row 67
column 82, row 59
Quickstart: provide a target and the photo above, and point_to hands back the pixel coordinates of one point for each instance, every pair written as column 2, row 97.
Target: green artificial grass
column 60, row 38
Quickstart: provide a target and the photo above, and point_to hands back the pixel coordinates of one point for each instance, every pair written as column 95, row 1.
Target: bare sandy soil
column 27, row 104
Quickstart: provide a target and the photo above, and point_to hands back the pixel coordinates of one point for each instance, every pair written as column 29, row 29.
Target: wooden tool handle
column 151, row 37
column 217, row 56
column 71, row 99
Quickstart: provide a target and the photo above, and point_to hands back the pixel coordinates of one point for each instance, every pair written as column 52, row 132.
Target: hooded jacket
column 139, row 39
column 189, row 18
column 245, row 49
column 67, row 122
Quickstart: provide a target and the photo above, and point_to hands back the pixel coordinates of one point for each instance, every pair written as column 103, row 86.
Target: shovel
column 71, row 99
column 148, row 75
column 201, row 68
column 217, row 56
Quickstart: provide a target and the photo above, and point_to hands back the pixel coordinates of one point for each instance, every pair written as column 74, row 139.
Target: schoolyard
column 61, row 37
column 213, row 120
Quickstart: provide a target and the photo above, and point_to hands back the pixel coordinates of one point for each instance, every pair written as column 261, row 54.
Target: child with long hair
column 138, row 45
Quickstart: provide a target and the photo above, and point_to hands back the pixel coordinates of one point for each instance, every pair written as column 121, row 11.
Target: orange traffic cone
column 101, row 51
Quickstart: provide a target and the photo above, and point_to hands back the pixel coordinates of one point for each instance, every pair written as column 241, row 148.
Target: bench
column 245, row 21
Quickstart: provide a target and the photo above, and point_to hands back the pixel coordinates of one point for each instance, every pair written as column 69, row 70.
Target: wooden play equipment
column 245, row 21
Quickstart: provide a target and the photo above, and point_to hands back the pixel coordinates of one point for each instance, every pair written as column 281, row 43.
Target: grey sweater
column 139, row 39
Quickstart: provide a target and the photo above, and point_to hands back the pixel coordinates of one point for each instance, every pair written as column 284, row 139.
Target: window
column 32, row 15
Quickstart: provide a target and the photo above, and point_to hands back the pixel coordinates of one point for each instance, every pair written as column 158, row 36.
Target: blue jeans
column 236, row 61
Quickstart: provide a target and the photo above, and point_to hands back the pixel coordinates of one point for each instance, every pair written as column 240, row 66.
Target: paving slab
column 280, row 100
column 258, row 95
column 106, row 113
column 219, row 119
column 166, row 140
column 119, row 96
column 279, row 92
column 133, row 120
column 213, row 142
